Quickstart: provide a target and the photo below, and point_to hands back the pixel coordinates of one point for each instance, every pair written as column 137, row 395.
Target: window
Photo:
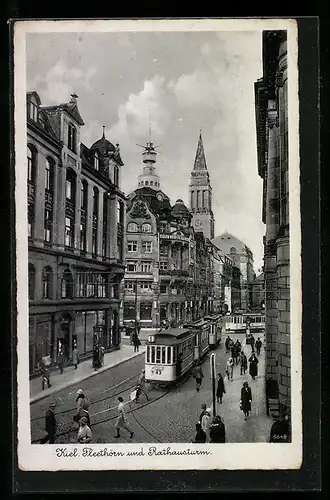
column 82, row 237
column 147, row 183
column 146, row 266
column 31, row 160
column 158, row 350
column 145, row 312
column 105, row 225
column 146, row 285
column 72, row 137
column 84, row 195
column 153, row 348
column 146, row 246
column 48, row 225
column 32, row 279
column 116, row 175
column 163, row 266
column 148, row 353
column 169, row 361
column 151, row 183
column 47, row 282
column 70, row 187
column 233, row 249
column 33, row 111
column 146, row 228
column 163, row 288
column 94, row 241
column 132, row 227
column 69, row 231
column 95, row 202
column 67, row 285
column 164, row 250
column 96, row 161
column 132, row 246
column 130, row 285
column 49, row 175
column 131, row 267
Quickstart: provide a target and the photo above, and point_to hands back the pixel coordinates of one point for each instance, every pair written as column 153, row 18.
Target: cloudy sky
column 186, row 81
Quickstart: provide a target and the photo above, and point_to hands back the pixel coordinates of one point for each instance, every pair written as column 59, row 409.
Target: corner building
column 271, row 97
column 76, row 232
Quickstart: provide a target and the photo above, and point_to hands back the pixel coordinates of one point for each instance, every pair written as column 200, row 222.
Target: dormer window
column 33, row 112
column 72, row 137
column 96, row 161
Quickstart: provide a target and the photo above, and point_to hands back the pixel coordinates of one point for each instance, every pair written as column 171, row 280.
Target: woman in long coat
column 246, row 399
column 220, row 388
column 253, row 369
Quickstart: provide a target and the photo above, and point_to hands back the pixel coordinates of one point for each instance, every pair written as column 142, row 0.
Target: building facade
column 258, row 293
column 76, row 232
column 271, row 97
column 168, row 273
column 242, row 273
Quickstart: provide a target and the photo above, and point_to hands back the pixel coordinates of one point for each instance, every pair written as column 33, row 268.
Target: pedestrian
column 252, row 342
column 60, row 357
column 82, row 407
column 96, row 355
column 121, row 422
column 101, row 355
column 280, row 431
column 200, row 434
column 50, row 425
column 136, row 342
column 227, row 343
column 258, row 346
column 138, row 327
column 233, row 352
column 75, row 355
column 253, row 368
column 198, row 375
column 238, row 350
column 217, row 431
column 84, row 432
column 206, row 423
column 230, row 368
column 45, row 372
column 246, row 399
column 243, row 363
column 202, row 413
column 179, row 364
column 220, row 388
column 142, row 384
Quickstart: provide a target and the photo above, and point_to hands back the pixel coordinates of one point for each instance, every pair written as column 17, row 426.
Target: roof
column 158, row 207
column 170, row 337
column 200, row 162
column 259, row 279
column 179, row 208
column 227, row 241
column 70, row 107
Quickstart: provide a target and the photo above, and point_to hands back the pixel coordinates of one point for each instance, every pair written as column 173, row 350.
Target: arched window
column 47, row 281
column 84, row 195
column 31, row 161
column 132, row 227
column 233, row 250
column 72, row 137
column 146, row 228
column 67, row 285
column 49, row 175
column 32, row 280
column 70, row 189
column 96, row 161
column 147, row 183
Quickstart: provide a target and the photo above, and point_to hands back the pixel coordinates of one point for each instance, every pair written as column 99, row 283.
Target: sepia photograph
column 158, row 244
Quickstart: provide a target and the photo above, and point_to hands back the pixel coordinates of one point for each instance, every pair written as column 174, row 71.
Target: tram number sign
column 157, row 370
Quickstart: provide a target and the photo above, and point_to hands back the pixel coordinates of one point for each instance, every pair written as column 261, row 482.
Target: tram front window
column 153, row 354
column 163, row 355
column 169, row 355
column 148, row 354
column 158, row 354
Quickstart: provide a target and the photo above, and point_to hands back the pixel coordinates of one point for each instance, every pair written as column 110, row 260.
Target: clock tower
column 201, row 194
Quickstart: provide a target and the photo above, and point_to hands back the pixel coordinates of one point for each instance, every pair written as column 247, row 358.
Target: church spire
column 200, row 162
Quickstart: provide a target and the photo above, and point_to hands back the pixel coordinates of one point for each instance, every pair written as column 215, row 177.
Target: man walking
column 142, row 386
column 198, row 376
column 50, row 426
column 243, row 363
column 258, row 346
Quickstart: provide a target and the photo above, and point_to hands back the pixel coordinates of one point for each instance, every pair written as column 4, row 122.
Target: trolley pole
column 212, row 366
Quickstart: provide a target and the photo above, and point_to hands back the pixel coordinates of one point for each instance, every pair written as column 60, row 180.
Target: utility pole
column 212, row 366
column 136, row 301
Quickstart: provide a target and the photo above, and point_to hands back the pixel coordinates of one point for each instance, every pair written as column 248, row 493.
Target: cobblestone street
column 168, row 416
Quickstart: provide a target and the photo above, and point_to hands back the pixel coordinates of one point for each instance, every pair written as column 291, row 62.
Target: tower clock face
column 198, row 223
column 159, row 197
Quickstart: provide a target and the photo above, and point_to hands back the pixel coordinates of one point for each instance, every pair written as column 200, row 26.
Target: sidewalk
column 70, row 376
column 257, row 427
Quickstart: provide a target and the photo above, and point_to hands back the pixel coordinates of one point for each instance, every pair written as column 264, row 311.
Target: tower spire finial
column 149, row 127
column 103, row 135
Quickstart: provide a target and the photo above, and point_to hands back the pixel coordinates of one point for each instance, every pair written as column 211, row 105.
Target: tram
column 169, row 355
column 216, row 323
column 201, row 330
column 239, row 322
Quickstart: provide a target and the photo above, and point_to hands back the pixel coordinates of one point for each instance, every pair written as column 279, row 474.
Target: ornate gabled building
column 167, row 266
column 271, row 98
column 201, row 194
column 76, row 231
column 243, row 273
